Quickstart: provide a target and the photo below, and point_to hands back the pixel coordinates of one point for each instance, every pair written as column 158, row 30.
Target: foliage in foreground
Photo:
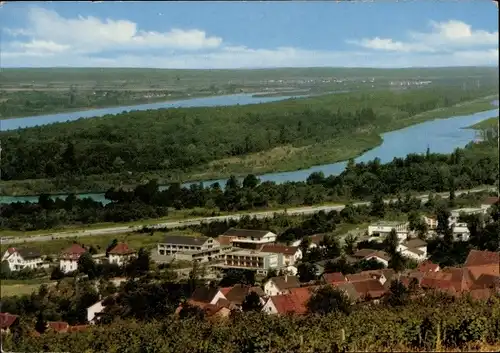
column 431, row 323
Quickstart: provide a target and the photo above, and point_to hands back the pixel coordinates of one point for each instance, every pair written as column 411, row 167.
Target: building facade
column 20, row 259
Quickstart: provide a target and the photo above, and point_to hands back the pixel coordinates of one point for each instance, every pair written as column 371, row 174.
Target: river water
column 440, row 136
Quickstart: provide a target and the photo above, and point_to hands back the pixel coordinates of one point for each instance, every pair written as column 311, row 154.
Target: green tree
column 86, row 265
column 251, row 302
column 398, row 294
column 328, row 300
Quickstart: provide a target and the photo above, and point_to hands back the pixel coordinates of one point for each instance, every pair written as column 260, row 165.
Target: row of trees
column 185, row 139
column 475, row 165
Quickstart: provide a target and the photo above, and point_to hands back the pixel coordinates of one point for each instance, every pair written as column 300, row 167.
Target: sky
column 218, row 35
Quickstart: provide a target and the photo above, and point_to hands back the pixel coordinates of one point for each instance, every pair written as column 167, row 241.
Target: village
column 282, row 285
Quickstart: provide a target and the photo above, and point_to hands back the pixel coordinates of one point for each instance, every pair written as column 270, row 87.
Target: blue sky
column 249, row 34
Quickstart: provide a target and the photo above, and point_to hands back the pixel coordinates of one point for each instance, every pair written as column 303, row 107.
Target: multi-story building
column 287, row 255
column 121, row 254
column 190, row 248
column 249, row 238
column 246, row 259
column 20, row 259
column 455, row 214
column 381, row 229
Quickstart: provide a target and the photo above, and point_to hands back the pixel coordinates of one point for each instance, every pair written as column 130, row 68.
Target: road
column 195, row 221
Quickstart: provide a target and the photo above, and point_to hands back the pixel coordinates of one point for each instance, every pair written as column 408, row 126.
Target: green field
column 10, row 288
column 38, row 91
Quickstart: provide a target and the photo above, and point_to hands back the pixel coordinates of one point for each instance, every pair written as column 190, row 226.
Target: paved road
column 195, row 221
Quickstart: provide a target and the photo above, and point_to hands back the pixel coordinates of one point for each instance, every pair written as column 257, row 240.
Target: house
column 93, row 310
column 247, row 259
column 20, row 259
column 7, row 321
column 415, row 249
column 460, row 231
column 68, row 262
column 294, row 302
column 189, row 248
column 349, row 290
column 369, row 254
column 366, row 275
column 250, row 238
column 428, row 266
column 431, row 222
column 236, row 294
column 225, row 240
column 380, row 230
column 58, row 326
column 206, row 295
column 487, row 281
column 280, row 285
column 369, row 289
column 483, row 262
column 452, row 280
column 121, row 254
column 287, row 255
column 334, row 278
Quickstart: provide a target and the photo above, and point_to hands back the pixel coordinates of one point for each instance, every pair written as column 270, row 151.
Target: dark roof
column 486, row 281
column 286, row 282
column 415, row 243
column 362, row 253
column 236, row 295
column 185, row 240
column 246, row 233
column 73, row 252
column 29, row 253
column 7, row 320
column 204, row 294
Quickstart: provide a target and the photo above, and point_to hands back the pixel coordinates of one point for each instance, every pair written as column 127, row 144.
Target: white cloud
column 444, row 36
column 51, row 40
column 87, row 35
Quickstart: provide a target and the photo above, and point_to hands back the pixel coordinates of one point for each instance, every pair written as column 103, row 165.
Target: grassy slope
column 485, row 124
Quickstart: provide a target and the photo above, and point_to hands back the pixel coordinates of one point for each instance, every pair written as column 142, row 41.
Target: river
column 440, row 136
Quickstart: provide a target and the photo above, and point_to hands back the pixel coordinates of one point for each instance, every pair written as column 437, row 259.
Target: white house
column 190, row 248
column 460, row 231
column 121, row 254
column 68, row 262
column 380, row 230
column 415, row 249
column 250, row 238
column 93, row 310
column 287, row 255
column 280, row 285
column 19, row 259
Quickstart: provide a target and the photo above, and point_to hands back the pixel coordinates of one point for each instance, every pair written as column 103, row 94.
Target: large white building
column 190, row 248
column 249, row 238
column 380, row 230
column 455, row 214
column 247, row 259
column 68, row 261
column 20, row 259
column 415, row 249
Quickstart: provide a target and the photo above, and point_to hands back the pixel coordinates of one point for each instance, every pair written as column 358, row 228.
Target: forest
column 475, row 165
column 186, row 139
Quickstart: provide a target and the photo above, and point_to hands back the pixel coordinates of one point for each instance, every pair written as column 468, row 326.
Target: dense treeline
column 464, row 169
column 183, row 139
column 431, row 323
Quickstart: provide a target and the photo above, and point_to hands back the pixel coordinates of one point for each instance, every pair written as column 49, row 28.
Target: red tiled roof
column 121, row 249
column 461, row 278
column 295, row 302
column 11, row 250
column 225, row 290
column 280, row 249
column 369, row 288
column 77, row 328
column 73, row 252
column 6, row 320
column 334, row 278
column 486, row 281
column 58, row 326
column 428, row 266
column 482, row 258
column 490, row 200
column 364, row 275
column 226, row 240
column 481, row 294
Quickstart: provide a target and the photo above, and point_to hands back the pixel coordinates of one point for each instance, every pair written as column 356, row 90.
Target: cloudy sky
column 249, row 34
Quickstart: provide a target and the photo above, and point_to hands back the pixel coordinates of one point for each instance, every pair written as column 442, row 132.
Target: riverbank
column 491, row 123
column 277, row 160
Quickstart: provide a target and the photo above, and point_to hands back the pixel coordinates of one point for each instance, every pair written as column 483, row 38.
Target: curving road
column 195, row 221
